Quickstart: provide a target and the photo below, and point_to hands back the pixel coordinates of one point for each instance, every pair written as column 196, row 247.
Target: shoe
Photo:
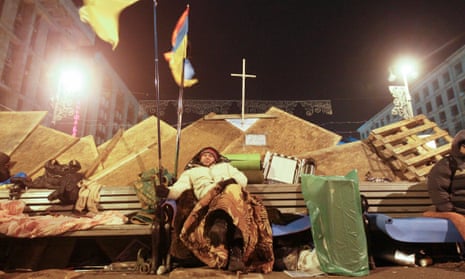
column 235, row 260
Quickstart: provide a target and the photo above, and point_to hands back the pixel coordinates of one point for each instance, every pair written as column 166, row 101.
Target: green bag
column 145, row 186
column 338, row 229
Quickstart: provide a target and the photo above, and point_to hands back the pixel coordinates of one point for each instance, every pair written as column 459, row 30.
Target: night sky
column 299, row 49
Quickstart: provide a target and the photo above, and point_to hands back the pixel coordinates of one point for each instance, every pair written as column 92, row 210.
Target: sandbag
column 337, row 223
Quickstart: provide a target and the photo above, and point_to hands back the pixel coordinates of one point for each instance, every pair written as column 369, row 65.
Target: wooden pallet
column 406, row 146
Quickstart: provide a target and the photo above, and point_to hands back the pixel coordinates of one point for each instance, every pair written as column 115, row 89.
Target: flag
column 103, row 16
column 178, row 52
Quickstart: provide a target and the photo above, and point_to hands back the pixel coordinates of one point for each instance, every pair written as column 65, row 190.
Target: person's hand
column 226, row 182
column 161, row 191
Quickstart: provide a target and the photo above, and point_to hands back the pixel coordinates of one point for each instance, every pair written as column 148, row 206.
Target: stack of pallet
column 411, row 146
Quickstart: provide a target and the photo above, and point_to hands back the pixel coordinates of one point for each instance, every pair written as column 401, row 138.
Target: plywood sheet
column 136, row 151
column 84, row 151
column 341, row 159
column 201, row 133
column 43, row 144
column 285, row 134
column 127, row 170
column 16, row 126
column 138, row 137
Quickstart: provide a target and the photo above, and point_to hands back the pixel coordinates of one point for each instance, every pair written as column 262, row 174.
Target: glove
column 226, row 182
column 161, row 191
column 23, row 182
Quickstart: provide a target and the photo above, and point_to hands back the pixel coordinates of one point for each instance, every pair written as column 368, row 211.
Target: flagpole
column 180, row 111
column 157, row 87
column 156, row 233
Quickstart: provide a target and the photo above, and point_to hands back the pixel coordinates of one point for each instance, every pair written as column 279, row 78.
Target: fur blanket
column 248, row 215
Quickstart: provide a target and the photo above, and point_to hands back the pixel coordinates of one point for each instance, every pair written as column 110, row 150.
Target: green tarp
column 337, row 223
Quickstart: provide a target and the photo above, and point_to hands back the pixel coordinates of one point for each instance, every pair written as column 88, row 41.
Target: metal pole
column 408, row 98
column 179, row 125
column 157, row 86
column 243, row 92
column 156, row 226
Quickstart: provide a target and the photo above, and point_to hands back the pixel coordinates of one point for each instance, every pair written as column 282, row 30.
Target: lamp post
column 402, row 98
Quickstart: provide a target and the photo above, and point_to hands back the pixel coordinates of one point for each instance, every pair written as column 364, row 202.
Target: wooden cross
column 243, row 75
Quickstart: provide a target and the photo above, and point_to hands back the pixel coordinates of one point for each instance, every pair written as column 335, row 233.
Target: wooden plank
column 118, row 199
column 273, row 188
column 391, row 186
column 284, row 203
column 396, row 126
column 280, row 196
column 104, row 154
column 112, row 230
column 117, row 190
column 237, row 116
column 397, row 195
column 401, row 136
column 425, row 157
column 398, row 209
column 381, row 202
column 420, row 142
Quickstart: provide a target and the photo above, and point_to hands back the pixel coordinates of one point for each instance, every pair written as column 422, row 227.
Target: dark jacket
column 447, row 196
column 4, row 167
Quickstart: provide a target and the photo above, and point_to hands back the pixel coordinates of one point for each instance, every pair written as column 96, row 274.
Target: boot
column 235, row 260
column 218, row 232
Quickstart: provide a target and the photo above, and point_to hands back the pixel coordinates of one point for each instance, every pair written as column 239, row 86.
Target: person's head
column 5, row 165
column 208, row 156
column 458, row 145
column 462, row 147
column 4, row 159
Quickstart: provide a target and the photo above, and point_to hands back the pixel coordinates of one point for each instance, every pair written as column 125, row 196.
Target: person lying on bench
column 227, row 228
column 446, row 188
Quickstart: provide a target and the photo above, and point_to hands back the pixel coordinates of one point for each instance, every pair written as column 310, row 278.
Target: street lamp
column 71, row 81
column 402, row 99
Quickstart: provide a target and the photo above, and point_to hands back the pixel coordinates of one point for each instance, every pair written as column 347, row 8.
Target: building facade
column 37, row 38
column 439, row 95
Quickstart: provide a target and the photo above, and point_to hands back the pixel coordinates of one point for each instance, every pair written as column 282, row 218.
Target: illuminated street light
column 71, row 81
column 402, row 99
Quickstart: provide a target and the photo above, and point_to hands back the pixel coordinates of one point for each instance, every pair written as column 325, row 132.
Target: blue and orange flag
column 178, row 53
column 103, row 17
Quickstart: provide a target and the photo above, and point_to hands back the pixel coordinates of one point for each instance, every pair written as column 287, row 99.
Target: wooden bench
column 122, row 199
column 395, row 199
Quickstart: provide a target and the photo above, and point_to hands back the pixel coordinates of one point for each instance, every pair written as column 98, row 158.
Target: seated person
column 227, row 228
column 446, row 180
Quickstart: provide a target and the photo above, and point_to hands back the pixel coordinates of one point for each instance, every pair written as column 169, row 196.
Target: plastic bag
column 337, row 223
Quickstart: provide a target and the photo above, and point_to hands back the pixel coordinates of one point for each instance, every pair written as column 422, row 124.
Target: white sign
column 255, row 139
